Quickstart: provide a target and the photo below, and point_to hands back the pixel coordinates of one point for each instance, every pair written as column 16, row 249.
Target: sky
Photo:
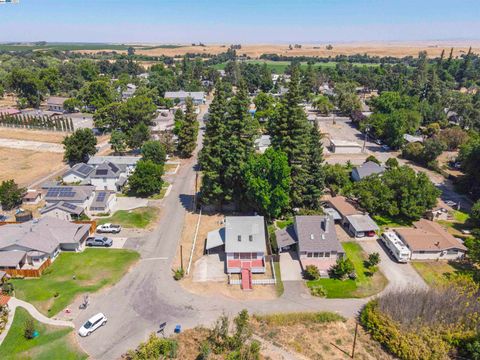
column 239, row 21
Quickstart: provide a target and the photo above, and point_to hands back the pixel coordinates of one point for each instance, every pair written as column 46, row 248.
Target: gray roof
column 215, row 238
column 362, row 222
column 117, row 160
column 56, row 100
column 101, row 199
column 195, row 95
column 368, row 168
column 108, row 170
column 44, row 234
column 317, row 234
column 64, row 206
column 412, row 138
column 249, row 229
column 68, row 193
column 286, row 237
column 81, row 170
column 11, row 258
column 333, row 213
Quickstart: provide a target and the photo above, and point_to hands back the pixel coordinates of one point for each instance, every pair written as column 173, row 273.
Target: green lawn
column 363, row 286
column 388, row 222
column 137, row 218
column 52, row 342
column 278, row 274
column 92, row 269
column 279, row 67
column 439, row 272
column 282, row 224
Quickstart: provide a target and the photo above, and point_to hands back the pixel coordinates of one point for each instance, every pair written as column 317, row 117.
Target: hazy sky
column 252, row 21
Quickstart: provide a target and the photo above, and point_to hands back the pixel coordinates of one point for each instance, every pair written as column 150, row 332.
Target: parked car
column 92, row 324
column 3, row 217
column 99, row 241
column 109, row 228
column 451, row 203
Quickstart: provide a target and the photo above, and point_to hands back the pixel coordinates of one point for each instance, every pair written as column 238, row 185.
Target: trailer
column 396, row 247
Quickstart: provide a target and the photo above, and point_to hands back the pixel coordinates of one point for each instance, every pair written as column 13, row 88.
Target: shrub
column 318, row 290
column 373, row 259
column 178, row 274
column 289, row 319
column 342, row 269
column 29, row 329
column 311, row 272
column 205, row 351
column 154, row 348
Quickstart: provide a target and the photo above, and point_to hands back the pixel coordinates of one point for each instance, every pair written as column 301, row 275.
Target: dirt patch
column 25, row 166
column 331, row 341
column 397, row 49
column 32, row 135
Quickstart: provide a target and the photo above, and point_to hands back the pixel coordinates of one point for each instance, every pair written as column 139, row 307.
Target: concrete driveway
column 210, row 268
column 290, row 268
column 400, row 276
column 129, row 203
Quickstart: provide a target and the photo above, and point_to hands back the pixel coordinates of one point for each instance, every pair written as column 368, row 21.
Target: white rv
column 396, row 247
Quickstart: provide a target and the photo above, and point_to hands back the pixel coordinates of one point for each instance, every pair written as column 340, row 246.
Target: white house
column 79, row 173
column 109, row 176
column 55, row 103
column 81, row 196
column 103, row 202
column 62, row 210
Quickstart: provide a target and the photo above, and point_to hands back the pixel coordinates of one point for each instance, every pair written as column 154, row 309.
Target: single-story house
column 129, row 161
column 438, row 213
column 361, row 225
column 62, row 210
column 245, row 244
column 318, row 244
column 79, row 173
column 55, row 103
column 198, row 97
column 428, row 240
column 262, row 143
column 32, row 197
column 109, row 176
column 344, row 147
column 40, row 240
column 342, row 206
column 12, row 259
column 366, row 169
column 103, row 202
column 81, row 195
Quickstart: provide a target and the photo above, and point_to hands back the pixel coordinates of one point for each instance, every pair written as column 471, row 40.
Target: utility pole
column 355, row 340
column 181, row 257
column 367, row 129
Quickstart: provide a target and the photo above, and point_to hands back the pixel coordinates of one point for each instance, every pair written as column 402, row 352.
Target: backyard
column 137, row 218
column 364, row 285
column 73, row 274
column 440, row 272
column 52, row 342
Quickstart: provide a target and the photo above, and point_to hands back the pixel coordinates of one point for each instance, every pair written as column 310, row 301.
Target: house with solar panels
column 78, row 174
column 109, row 176
column 63, row 210
column 103, row 202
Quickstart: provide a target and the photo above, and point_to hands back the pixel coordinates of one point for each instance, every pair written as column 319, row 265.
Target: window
column 254, row 256
column 245, row 256
column 309, row 255
column 321, row 254
column 452, row 252
column 236, row 256
column 315, row 254
column 327, row 254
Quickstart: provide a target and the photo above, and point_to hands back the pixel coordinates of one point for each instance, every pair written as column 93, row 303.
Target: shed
column 344, row 147
column 215, row 239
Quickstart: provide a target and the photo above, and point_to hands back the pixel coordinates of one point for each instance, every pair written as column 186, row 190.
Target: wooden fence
column 28, row 272
column 93, row 224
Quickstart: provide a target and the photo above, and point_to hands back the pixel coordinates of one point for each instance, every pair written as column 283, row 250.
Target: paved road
column 148, row 295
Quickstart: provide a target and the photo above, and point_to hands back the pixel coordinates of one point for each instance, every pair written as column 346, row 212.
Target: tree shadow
column 187, row 201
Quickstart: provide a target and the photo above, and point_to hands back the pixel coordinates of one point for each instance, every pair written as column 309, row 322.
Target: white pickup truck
column 109, row 228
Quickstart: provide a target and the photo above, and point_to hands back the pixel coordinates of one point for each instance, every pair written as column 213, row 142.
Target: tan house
column 428, row 240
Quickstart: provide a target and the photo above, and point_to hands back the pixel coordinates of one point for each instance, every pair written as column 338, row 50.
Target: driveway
column 290, row 268
column 210, row 268
column 129, row 203
column 400, row 276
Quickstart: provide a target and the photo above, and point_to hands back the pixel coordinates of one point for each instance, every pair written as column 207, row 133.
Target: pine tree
column 214, row 147
column 316, row 176
column 187, row 135
column 240, row 130
column 289, row 130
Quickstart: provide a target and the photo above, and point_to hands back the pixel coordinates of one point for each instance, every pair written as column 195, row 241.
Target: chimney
column 325, row 224
column 239, row 237
column 250, row 237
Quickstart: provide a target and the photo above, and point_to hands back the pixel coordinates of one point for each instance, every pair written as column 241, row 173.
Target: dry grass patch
column 32, row 135
column 317, row 336
column 26, row 166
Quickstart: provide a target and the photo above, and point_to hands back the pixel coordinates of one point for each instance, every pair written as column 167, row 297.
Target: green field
column 52, row 342
column 362, row 286
column 278, row 67
column 137, row 218
column 73, row 274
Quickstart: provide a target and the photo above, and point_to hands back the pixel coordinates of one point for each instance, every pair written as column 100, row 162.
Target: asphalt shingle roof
column 244, row 234
column 317, row 234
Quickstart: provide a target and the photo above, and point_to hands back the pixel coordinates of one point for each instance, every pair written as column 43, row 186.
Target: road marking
column 155, row 258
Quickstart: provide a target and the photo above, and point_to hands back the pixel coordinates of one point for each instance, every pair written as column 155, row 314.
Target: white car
column 92, row 324
column 109, row 228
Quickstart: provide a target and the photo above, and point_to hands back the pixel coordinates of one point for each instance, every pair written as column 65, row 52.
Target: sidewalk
column 14, row 303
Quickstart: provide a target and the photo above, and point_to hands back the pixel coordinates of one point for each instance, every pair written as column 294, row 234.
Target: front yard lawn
column 439, row 272
column 52, row 342
column 73, row 274
column 388, row 222
column 136, row 218
column 362, row 286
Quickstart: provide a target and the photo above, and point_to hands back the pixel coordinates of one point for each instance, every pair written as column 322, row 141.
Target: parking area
column 118, row 241
column 210, row 268
column 290, row 268
column 400, row 276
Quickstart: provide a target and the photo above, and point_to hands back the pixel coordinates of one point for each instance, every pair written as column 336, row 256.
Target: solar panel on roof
column 69, row 194
column 101, row 196
column 113, row 167
column 84, row 169
column 69, row 206
column 101, row 172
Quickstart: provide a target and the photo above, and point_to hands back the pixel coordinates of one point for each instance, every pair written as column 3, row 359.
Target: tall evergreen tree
column 289, row 130
column 187, row 135
column 214, row 147
column 240, row 130
column 316, row 175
